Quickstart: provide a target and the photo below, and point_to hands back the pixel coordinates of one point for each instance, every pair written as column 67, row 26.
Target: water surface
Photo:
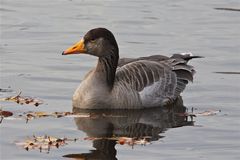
column 33, row 35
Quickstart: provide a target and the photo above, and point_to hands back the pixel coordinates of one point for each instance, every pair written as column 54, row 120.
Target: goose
column 128, row 83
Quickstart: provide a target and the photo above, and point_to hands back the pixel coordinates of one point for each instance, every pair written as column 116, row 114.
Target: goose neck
column 106, row 67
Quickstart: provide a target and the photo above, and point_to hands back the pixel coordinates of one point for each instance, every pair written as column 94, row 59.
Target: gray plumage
column 137, row 83
column 130, row 83
column 158, row 80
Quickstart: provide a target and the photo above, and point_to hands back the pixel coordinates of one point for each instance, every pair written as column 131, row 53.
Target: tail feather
column 184, row 75
column 186, row 56
column 180, row 66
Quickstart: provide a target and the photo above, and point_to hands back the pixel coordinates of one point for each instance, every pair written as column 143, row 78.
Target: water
column 33, row 35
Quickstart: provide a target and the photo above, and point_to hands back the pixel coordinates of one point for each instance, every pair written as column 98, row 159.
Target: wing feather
column 141, row 74
column 155, row 78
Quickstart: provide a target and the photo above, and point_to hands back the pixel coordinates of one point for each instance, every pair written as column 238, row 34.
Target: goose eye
column 93, row 41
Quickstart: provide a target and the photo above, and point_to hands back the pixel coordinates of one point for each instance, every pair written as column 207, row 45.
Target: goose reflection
column 107, row 127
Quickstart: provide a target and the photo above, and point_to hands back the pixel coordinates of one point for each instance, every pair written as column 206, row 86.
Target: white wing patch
column 160, row 92
column 150, row 94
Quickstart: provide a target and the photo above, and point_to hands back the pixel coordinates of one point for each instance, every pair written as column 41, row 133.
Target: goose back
column 152, row 81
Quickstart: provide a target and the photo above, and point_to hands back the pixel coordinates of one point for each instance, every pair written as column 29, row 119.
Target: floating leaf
column 131, row 141
column 4, row 114
column 33, row 115
column 205, row 113
column 134, row 141
column 43, row 143
column 208, row 113
column 23, row 100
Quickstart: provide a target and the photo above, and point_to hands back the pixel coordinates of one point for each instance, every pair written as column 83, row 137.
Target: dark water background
column 34, row 33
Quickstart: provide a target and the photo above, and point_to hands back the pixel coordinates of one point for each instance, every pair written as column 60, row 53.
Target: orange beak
column 76, row 48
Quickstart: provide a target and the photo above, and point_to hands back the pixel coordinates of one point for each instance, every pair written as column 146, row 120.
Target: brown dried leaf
column 208, row 113
column 43, row 143
column 33, row 115
column 5, row 113
column 23, row 100
column 131, row 141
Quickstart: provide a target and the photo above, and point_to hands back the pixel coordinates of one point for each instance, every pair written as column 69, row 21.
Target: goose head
column 98, row 42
